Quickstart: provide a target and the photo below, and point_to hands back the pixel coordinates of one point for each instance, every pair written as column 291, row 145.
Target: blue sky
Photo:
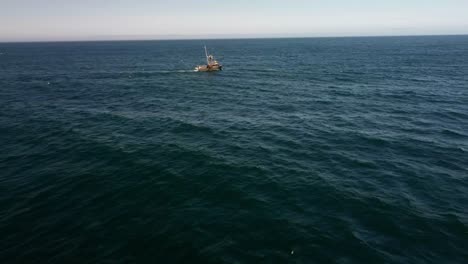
column 30, row 20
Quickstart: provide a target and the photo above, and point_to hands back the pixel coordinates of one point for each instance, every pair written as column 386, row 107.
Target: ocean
column 313, row 150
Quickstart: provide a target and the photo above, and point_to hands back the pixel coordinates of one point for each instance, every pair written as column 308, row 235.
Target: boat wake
column 162, row 72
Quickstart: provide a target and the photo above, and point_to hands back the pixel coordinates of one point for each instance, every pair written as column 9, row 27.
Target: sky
column 56, row 20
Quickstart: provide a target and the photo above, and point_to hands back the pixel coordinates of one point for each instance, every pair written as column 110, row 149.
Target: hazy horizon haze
column 52, row 20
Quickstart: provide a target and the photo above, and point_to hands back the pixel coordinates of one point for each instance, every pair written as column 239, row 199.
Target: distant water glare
column 332, row 150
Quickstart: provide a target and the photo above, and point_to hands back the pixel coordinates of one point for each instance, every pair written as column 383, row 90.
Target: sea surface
column 321, row 150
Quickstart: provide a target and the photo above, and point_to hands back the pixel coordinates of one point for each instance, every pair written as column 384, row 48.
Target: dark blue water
column 333, row 150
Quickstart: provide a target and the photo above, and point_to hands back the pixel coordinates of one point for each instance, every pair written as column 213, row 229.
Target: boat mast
column 207, row 60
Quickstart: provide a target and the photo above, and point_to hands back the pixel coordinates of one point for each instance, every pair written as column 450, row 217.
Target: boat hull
column 206, row 68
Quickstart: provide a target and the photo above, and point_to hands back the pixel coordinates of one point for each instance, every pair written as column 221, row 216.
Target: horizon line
column 217, row 37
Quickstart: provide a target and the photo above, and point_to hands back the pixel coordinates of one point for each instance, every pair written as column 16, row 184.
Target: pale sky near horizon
column 39, row 20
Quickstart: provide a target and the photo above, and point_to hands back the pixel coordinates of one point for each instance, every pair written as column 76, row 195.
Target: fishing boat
column 211, row 64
